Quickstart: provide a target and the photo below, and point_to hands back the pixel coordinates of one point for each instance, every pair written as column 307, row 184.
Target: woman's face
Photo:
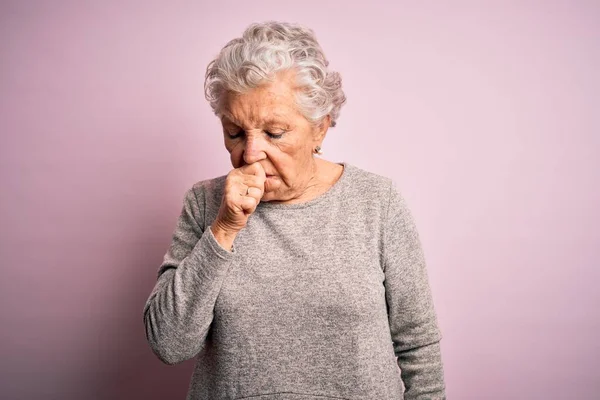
column 264, row 126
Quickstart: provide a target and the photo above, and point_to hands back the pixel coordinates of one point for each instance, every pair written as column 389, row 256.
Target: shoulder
column 207, row 190
column 375, row 187
column 378, row 192
column 202, row 198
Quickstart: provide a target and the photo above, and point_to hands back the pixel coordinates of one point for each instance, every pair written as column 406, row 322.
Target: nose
column 254, row 149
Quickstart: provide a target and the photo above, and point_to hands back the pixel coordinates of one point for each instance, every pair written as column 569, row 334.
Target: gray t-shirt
column 315, row 301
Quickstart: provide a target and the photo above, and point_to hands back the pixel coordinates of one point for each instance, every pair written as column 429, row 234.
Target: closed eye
column 240, row 133
column 272, row 135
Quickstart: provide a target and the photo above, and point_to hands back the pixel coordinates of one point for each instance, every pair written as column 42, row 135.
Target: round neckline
column 333, row 189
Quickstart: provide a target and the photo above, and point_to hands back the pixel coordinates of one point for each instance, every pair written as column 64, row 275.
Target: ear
column 321, row 129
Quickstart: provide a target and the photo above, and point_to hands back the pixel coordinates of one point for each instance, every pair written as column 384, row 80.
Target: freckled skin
column 298, row 175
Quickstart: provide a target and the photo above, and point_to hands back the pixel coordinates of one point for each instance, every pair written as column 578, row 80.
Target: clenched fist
column 244, row 187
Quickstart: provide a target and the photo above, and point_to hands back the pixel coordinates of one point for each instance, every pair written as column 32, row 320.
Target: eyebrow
column 229, row 117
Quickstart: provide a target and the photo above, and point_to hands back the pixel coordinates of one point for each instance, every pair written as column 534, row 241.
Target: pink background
column 487, row 115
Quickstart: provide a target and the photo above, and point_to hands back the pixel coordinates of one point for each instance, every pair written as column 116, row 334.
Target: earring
column 318, row 150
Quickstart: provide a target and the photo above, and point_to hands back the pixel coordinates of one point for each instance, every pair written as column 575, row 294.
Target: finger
column 253, row 181
column 254, row 169
column 255, row 193
column 248, row 204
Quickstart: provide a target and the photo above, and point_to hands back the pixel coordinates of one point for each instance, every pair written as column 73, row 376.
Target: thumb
column 255, row 169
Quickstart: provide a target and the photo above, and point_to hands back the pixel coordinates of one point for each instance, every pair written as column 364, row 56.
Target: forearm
column 179, row 312
column 422, row 372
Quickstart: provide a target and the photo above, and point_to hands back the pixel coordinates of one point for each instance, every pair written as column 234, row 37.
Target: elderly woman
column 292, row 277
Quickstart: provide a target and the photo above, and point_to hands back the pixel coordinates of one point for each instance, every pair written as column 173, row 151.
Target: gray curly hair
column 268, row 48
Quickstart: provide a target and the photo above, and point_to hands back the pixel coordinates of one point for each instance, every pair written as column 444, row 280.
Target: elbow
column 167, row 344
column 163, row 341
column 168, row 357
column 165, row 352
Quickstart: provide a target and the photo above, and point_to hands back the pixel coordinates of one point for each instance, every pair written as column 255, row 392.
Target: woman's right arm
column 179, row 311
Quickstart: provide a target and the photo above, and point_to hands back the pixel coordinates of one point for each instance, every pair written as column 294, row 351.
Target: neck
column 319, row 181
column 316, row 183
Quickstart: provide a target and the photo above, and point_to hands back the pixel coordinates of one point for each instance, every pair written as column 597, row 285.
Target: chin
column 270, row 196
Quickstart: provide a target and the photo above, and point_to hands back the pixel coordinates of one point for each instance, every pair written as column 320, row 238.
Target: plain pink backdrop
column 486, row 113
